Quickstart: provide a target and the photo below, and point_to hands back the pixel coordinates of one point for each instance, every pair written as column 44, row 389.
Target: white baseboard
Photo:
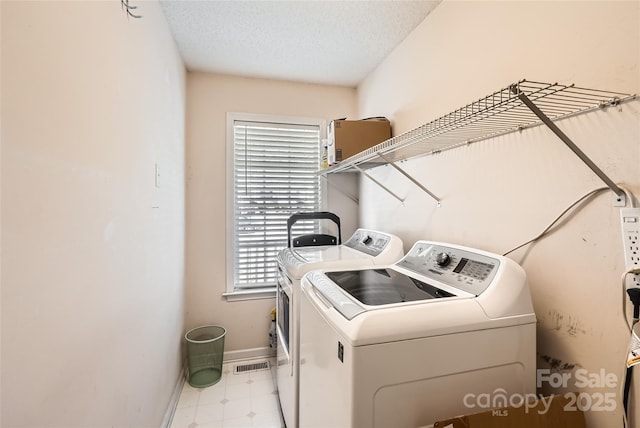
column 175, row 397
column 247, row 354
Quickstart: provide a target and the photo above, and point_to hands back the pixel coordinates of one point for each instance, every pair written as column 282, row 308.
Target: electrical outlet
column 630, row 219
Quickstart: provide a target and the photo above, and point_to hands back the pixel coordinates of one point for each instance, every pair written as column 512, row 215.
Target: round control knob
column 442, row 259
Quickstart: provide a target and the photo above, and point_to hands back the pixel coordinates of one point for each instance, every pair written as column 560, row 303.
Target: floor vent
column 253, row 367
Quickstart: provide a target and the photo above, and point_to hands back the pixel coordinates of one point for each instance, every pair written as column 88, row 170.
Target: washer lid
column 376, row 287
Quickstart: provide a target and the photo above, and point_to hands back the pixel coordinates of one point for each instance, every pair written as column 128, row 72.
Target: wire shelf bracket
column 339, row 189
column 413, row 180
column 574, row 148
column 382, row 186
column 519, row 106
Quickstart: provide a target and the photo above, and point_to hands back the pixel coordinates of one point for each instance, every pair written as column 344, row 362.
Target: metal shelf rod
column 382, row 186
column 618, row 191
column 413, row 180
column 339, row 189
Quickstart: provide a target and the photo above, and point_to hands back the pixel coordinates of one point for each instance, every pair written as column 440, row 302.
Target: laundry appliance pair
column 369, row 337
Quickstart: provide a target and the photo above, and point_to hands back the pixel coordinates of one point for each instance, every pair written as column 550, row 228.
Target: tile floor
column 238, row 400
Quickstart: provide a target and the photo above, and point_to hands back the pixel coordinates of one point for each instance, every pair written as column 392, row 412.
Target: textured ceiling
column 328, row 42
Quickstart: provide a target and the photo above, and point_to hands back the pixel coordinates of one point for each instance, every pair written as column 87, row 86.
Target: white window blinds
column 275, row 175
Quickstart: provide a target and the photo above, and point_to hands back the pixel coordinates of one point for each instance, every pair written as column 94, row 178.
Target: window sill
column 258, row 293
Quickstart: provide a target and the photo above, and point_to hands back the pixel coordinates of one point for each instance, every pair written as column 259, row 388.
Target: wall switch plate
column 156, row 176
column 630, row 219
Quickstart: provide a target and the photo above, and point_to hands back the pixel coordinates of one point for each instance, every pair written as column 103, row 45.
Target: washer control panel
column 458, row 267
column 369, row 242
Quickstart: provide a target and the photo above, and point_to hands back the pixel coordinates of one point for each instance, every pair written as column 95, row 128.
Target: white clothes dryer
column 365, row 248
column 414, row 342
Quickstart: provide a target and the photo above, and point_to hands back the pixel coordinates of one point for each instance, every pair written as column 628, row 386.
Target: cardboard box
column 557, row 413
column 346, row 138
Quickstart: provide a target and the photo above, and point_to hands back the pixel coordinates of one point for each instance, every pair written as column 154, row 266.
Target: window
column 273, row 173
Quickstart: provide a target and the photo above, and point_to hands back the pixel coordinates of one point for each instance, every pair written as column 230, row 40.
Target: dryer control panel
column 459, row 267
column 370, row 242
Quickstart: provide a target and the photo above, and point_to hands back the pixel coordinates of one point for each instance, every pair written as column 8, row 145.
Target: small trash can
column 205, row 349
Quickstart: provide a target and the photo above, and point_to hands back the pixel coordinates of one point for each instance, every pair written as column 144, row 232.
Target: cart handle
column 316, row 215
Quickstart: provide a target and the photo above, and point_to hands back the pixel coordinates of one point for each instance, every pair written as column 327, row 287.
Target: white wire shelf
column 499, row 113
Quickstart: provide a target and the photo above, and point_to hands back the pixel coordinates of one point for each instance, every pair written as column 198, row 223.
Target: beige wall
column 92, row 252
column 499, row 193
column 209, row 98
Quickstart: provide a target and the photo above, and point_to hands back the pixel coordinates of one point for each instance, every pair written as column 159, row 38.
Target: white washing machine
column 414, row 342
column 365, row 248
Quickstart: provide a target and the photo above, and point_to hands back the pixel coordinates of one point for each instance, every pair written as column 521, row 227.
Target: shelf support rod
column 386, row 189
column 413, row 180
column 545, row 119
column 348, row 195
